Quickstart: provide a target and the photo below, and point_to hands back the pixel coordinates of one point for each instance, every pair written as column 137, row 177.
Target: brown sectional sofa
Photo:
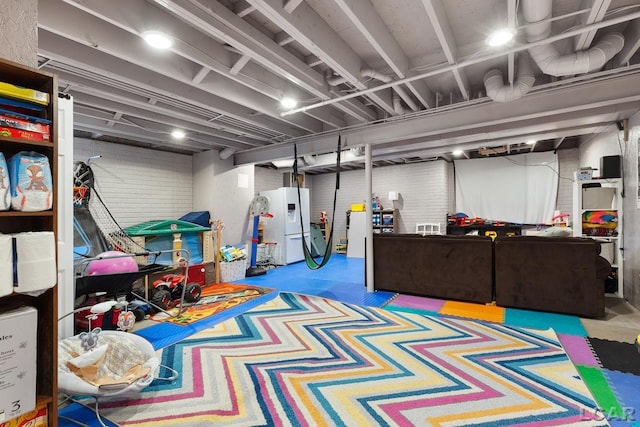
column 449, row 267
column 557, row 274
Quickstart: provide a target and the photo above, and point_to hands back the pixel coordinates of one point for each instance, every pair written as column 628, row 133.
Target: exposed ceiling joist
column 545, row 108
column 409, row 80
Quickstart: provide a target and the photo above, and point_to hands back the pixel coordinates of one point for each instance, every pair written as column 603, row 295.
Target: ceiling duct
column 334, row 80
column 373, row 74
column 537, row 13
column 357, row 151
column 498, row 91
column 227, row 152
column 397, row 105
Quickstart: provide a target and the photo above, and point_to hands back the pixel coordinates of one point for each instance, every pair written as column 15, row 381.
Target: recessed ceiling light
column 288, row 102
column 500, row 37
column 178, row 134
column 157, row 39
column 457, row 153
column 531, row 142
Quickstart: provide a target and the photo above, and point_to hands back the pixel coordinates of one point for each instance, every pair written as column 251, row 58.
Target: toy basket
column 230, row 271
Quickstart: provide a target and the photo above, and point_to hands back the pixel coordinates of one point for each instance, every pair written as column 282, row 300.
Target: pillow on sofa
column 557, row 232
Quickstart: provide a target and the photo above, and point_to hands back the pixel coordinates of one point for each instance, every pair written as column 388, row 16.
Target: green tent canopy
column 162, row 227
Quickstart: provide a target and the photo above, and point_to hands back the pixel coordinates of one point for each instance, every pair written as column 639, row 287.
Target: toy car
column 169, row 288
column 139, row 308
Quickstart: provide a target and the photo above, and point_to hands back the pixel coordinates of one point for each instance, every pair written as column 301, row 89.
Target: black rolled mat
column 617, row 356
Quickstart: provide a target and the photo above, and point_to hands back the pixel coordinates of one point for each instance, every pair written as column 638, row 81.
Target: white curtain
column 521, row 188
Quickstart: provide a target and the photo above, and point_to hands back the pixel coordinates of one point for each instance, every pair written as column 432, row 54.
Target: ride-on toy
column 139, row 308
column 169, row 288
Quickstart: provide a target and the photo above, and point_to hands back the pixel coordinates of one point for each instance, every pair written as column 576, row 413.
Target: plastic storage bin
column 233, row 270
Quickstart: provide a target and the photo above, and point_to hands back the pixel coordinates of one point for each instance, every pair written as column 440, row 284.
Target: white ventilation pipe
column 537, row 14
column 334, row 81
column 498, row 91
column 397, row 105
column 227, row 152
column 552, row 63
column 375, row 75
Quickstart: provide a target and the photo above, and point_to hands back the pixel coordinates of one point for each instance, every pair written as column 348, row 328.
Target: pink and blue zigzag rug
column 299, row 360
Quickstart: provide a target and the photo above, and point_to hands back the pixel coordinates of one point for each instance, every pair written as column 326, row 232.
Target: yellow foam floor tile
column 490, row 313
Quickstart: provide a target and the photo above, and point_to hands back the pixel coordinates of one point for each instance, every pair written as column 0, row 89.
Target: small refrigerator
column 285, row 228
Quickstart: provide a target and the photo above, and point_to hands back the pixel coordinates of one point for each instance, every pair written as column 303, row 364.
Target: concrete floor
column 621, row 322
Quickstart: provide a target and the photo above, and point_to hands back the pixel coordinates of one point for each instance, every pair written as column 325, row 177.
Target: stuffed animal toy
column 90, row 339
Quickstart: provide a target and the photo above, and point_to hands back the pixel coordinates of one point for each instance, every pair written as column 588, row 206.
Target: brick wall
column 139, row 184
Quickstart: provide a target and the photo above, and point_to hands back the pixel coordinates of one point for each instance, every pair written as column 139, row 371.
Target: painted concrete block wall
column 19, row 35
column 226, row 192
column 203, row 176
column 602, row 144
column 267, row 179
column 139, row 184
column 423, row 189
column 423, row 192
column 631, row 205
column 427, row 191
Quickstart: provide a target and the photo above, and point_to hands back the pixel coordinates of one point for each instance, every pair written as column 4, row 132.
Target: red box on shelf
column 22, row 134
column 18, row 123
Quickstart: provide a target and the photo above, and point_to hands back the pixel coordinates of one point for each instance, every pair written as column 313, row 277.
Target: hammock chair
column 309, row 260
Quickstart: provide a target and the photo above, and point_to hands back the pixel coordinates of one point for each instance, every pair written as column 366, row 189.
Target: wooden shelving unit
column 15, row 222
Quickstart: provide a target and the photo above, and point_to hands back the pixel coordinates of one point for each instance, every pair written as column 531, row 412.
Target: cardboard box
column 18, row 123
column 36, row 418
column 21, row 134
column 24, row 93
column 18, row 349
column 584, row 174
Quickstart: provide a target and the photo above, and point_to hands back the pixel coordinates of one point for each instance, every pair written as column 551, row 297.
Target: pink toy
column 113, row 262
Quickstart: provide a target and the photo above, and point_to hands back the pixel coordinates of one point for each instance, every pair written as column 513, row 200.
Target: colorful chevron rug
column 308, row 361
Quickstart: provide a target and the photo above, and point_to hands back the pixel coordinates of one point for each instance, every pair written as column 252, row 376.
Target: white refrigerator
column 285, row 228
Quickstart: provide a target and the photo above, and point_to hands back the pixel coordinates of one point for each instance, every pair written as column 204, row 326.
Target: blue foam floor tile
column 357, row 296
column 618, row 423
column 347, row 270
column 626, row 388
column 75, row 413
column 561, row 323
column 165, row 333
